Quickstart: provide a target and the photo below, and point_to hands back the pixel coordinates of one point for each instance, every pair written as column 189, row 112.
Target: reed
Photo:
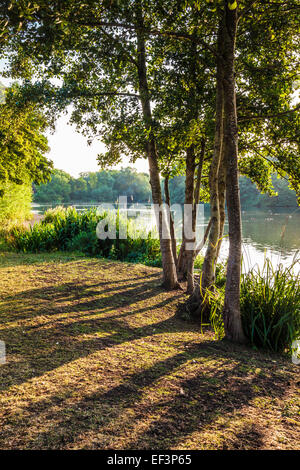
column 270, row 306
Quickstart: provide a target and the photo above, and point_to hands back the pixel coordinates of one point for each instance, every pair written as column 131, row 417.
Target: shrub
column 35, row 239
column 67, row 229
column 57, row 231
column 86, row 242
column 55, row 214
column 270, row 307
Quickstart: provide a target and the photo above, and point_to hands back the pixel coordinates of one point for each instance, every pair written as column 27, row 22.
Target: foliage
column 101, row 186
column 62, row 40
column 69, row 230
column 283, row 196
column 15, row 202
column 108, row 185
column 270, row 306
column 22, row 143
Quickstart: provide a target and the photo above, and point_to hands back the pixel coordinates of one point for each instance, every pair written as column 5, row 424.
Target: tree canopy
column 23, row 143
column 102, row 186
column 201, row 87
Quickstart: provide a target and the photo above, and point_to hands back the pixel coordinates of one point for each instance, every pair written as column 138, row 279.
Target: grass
column 97, row 359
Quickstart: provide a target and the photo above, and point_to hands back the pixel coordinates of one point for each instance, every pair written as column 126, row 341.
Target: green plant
column 86, row 242
column 270, row 306
column 66, row 229
column 15, row 203
column 56, row 214
column 56, row 232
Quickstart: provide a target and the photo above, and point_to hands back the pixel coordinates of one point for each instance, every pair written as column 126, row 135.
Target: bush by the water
column 68, row 230
column 270, row 307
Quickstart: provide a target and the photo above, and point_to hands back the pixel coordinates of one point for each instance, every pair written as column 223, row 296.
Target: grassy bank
column 98, row 359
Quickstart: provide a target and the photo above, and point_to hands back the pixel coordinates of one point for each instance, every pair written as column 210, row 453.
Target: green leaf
column 232, row 6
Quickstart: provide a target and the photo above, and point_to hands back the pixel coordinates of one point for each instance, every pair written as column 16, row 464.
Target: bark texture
column 184, row 253
column 222, row 200
column 231, row 312
column 168, row 263
column 172, row 228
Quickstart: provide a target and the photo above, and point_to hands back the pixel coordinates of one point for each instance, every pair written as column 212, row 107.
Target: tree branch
column 156, row 32
column 268, row 116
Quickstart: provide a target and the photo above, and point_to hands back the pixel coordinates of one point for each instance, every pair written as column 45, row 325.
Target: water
column 275, row 235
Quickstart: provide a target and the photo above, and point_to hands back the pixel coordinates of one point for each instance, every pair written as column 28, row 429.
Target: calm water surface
column 275, row 235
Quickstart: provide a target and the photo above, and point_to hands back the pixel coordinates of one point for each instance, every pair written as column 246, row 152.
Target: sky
column 71, row 153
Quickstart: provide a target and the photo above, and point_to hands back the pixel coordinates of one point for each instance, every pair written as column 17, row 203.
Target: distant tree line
column 108, row 185
column 101, row 186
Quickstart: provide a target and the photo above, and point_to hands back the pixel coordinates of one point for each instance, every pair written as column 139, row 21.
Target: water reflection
column 278, row 231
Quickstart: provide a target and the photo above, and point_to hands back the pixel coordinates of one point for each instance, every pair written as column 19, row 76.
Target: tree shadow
column 222, row 391
column 48, row 328
column 47, row 335
column 24, row 303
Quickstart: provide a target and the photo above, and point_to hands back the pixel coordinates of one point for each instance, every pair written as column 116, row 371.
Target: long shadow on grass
column 51, row 300
column 47, row 344
column 208, row 394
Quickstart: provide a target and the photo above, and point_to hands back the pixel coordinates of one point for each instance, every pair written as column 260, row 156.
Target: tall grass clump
column 66, row 229
column 56, row 231
column 270, row 306
column 15, row 209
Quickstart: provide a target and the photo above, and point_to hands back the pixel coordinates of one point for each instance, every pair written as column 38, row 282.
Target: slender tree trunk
column 169, row 268
column 222, row 199
column 172, row 228
column 192, row 254
column 198, row 179
column 231, row 312
column 185, row 266
column 204, row 239
column 182, row 265
column 209, row 265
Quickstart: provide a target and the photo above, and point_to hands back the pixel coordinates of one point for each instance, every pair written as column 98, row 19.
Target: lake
column 275, row 235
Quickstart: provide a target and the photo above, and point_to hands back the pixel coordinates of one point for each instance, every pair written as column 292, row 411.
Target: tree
column 23, row 143
column 57, row 189
column 105, row 83
column 126, row 49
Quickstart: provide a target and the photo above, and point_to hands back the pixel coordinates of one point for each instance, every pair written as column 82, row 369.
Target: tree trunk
column 192, row 254
column 184, row 253
column 204, row 239
column 222, row 198
column 231, row 312
column 172, row 228
column 198, row 179
column 169, row 268
column 197, row 301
